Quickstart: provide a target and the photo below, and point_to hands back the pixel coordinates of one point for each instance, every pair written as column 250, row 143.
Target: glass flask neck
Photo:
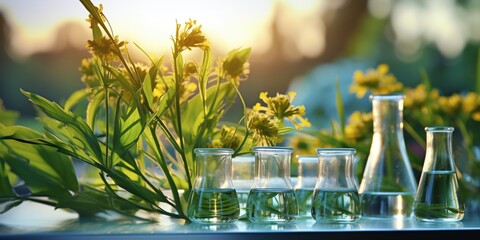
column 438, row 155
column 387, row 114
column 213, row 168
column 272, row 167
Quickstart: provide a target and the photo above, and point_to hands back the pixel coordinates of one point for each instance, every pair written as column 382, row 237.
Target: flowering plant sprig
column 139, row 128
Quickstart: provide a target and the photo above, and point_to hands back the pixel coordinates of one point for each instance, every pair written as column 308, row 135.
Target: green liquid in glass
column 214, row 206
column 304, row 201
column 382, row 205
column 438, row 198
column 336, row 205
column 272, row 205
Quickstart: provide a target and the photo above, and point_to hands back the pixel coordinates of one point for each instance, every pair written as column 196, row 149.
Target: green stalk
column 245, row 119
column 467, row 140
column 179, row 117
column 171, row 182
column 414, row 134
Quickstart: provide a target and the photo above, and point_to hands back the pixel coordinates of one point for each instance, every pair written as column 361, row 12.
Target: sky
column 148, row 23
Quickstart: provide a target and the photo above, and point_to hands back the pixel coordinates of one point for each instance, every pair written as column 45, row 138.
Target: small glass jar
column 213, row 198
column 272, row 198
column 438, row 198
column 306, row 181
column 335, row 197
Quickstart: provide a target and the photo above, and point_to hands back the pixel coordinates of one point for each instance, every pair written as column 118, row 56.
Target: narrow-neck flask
column 336, row 196
column 438, row 198
column 213, row 198
column 272, row 198
column 388, row 186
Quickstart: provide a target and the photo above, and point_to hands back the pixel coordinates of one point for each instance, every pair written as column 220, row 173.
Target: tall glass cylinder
column 438, row 198
column 272, row 198
column 388, row 186
column 213, row 198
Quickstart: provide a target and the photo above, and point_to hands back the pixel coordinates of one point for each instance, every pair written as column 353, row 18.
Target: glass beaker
column 437, row 197
column 306, row 180
column 213, row 198
column 272, row 198
column 336, row 196
column 388, row 186
column 243, row 173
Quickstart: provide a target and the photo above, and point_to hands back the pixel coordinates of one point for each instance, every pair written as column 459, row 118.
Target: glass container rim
column 307, row 157
column 439, row 129
column 244, row 158
column 273, row 149
column 336, row 151
column 388, row 97
column 213, row 151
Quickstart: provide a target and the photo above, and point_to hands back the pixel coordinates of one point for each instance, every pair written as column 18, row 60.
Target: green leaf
column 134, row 187
column 149, row 81
column 74, row 123
column 10, row 205
column 205, row 70
column 75, row 98
column 5, row 185
column 8, row 117
column 40, row 166
column 93, row 107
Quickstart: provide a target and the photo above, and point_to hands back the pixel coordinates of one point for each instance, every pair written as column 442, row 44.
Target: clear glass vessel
column 243, row 174
column 388, row 186
column 438, row 198
column 272, row 198
column 306, row 180
column 335, row 198
column 213, row 198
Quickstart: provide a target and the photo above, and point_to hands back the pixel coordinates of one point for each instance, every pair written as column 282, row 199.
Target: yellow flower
column 471, row 105
column 281, row 107
column 190, row 37
column 236, row 63
column 88, row 75
column 228, row 137
column 105, row 49
column 189, row 69
column 378, row 81
column 452, row 105
column 159, row 90
column 416, row 98
column 359, row 127
column 93, row 21
column 263, row 128
column 305, row 144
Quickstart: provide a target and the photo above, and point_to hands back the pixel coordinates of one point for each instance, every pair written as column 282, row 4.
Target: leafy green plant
column 139, row 128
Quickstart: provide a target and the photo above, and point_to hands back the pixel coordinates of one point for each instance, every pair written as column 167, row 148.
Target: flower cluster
column 281, row 107
column 378, row 81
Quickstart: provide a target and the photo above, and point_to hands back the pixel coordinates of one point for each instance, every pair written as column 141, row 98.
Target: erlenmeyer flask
column 213, row 198
column 336, row 196
column 272, row 198
column 388, row 186
column 437, row 197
